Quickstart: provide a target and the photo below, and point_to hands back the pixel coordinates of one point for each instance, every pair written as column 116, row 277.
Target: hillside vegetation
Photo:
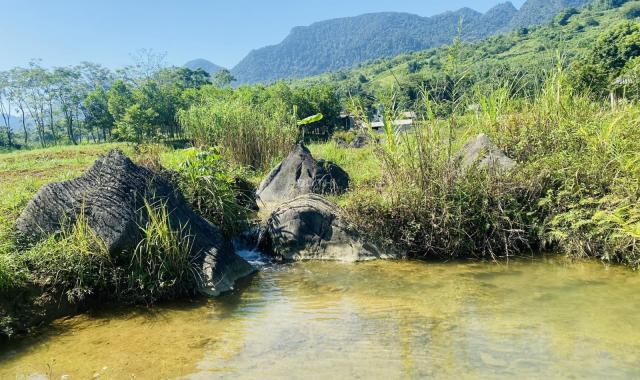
column 523, row 56
column 342, row 43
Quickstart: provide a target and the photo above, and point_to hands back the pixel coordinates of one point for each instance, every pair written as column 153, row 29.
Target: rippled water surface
column 541, row 319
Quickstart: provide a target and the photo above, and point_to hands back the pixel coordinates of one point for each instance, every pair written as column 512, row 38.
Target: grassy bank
column 575, row 188
column 73, row 267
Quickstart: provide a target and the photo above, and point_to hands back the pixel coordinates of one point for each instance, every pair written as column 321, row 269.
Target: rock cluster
column 305, row 225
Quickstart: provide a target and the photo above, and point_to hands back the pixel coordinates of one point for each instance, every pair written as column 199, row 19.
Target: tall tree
column 18, row 93
column 36, row 98
column 66, row 87
column 223, row 78
column 6, row 100
column 97, row 115
column 119, row 98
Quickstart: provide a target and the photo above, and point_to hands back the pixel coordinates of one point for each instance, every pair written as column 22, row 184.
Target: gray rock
column 360, row 141
column 112, row 194
column 300, row 174
column 342, row 143
column 483, row 153
column 311, row 228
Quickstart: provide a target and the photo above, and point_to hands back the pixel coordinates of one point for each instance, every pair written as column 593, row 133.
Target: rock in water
column 311, row 228
column 300, row 174
column 112, row 195
column 484, row 153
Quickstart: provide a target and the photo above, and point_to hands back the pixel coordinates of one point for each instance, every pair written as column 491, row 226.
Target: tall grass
column 429, row 208
column 161, row 265
column 575, row 188
column 76, row 263
column 584, row 156
column 248, row 131
column 213, row 188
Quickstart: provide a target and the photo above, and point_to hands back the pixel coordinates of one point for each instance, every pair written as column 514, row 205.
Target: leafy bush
column 565, row 15
column 344, row 136
column 211, row 185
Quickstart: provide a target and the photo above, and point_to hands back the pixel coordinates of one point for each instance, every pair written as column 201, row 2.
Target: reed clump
column 575, row 187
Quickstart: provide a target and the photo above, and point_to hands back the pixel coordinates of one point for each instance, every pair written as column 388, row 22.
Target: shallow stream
column 526, row 319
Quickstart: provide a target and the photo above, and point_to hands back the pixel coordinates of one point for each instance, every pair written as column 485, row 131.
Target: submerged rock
column 300, row 174
column 112, row 195
column 310, row 227
column 483, row 153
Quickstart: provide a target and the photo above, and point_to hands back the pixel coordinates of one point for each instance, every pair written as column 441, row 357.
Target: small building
column 347, row 121
column 405, row 123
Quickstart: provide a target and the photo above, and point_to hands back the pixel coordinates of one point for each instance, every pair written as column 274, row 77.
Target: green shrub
column 210, row 185
column 13, row 274
column 344, row 136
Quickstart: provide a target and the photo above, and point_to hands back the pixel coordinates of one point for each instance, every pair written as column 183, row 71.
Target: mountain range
column 345, row 42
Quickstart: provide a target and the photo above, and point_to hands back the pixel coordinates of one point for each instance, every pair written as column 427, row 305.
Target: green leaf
column 310, row 119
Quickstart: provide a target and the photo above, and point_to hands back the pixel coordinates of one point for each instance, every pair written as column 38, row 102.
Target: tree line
column 90, row 103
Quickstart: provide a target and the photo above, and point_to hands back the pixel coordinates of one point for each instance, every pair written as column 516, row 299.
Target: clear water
column 542, row 319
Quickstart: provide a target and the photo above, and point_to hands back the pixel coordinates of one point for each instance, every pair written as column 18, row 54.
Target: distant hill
column 203, row 64
column 16, row 123
column 341, row 43
column 493, row 20
column 520, row 56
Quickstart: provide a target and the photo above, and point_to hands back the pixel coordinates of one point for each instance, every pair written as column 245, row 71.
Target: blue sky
column 66, row 32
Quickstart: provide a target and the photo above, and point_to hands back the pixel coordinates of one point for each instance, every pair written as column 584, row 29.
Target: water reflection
column 370, row 320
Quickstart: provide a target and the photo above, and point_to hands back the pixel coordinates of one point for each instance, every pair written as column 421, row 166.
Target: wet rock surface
column 310, row 227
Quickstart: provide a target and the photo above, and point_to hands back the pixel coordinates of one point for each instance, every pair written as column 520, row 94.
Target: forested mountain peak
column 535, row 12
column 344, row 42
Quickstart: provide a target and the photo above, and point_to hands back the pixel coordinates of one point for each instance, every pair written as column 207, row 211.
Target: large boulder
column 299, row 173
column 485, row 154
column 311, row 228
column 112, row 195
